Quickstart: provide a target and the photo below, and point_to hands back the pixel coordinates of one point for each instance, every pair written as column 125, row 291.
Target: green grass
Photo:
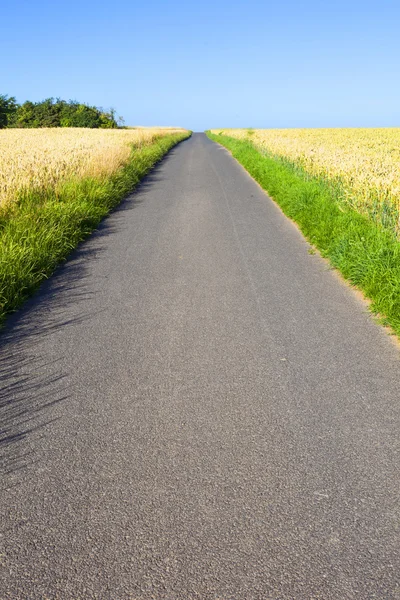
column 39, row 230
column 365, row 252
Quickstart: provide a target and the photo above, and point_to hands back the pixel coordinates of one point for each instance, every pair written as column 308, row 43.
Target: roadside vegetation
column 56, row 185
column 55, row 113
column 342, row 187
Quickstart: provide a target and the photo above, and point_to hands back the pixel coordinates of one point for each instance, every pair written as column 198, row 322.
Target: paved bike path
column 194, row 407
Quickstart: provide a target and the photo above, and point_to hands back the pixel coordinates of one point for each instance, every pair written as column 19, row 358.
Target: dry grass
column 42, row 158
column 365, row 162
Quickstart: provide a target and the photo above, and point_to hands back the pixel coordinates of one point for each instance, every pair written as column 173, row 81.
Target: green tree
column 8, row 107
column 25, row 116
column 57, row 113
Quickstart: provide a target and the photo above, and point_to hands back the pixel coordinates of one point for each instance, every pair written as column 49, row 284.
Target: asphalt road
column 194, row 407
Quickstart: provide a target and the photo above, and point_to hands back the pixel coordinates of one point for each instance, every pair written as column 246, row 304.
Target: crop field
column 363, row 164
column 32, row 159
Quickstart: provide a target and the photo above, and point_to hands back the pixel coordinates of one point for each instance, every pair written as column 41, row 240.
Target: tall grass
column 363, row 164
column 41, row 224
column 35, row 159
column 366, row 252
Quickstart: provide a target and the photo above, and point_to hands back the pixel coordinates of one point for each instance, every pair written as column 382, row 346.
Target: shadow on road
column 31, row 384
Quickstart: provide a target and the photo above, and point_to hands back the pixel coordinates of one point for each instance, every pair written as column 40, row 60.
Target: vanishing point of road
column 195, row 407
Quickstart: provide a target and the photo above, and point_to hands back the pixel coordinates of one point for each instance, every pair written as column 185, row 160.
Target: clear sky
column 209, row 63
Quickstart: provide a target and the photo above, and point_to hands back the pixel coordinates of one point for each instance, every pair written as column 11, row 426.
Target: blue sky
column 207, row 64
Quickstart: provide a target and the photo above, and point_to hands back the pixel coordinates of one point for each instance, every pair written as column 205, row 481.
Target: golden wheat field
column 37, row 158
column 365, row 162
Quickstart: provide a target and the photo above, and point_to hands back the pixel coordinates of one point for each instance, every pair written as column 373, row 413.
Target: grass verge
column 40, row 229
column 367, row 254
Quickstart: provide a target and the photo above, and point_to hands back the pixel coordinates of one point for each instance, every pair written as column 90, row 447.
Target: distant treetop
column 54, row 113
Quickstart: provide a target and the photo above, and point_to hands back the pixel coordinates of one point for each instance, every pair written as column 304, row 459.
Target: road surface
column 194, row 407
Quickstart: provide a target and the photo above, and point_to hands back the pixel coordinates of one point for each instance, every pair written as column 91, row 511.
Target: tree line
column 54, row 113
